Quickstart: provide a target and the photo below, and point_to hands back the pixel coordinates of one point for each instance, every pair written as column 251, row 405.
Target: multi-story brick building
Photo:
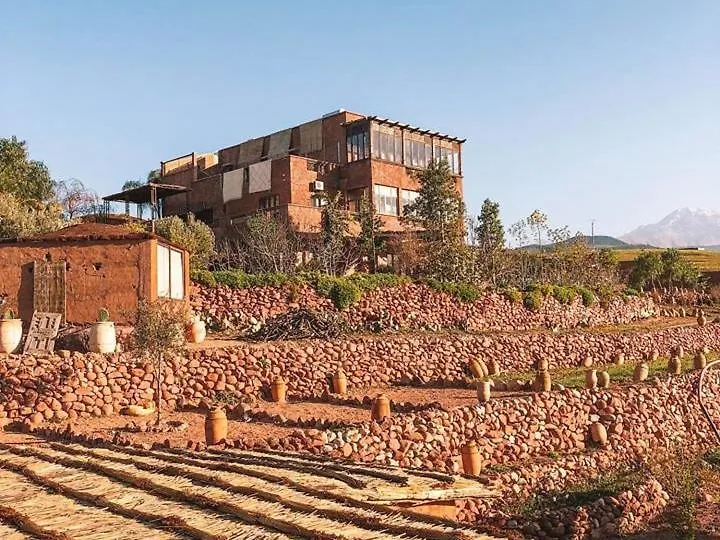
column 288, row 171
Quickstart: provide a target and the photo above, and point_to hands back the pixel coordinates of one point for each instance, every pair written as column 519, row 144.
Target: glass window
column 170, row 273
column 366, row 144
column 398, row 148
column 271, row 201
column 358, row 143
column 407, row 197
column 386, row 200
column 319, row 201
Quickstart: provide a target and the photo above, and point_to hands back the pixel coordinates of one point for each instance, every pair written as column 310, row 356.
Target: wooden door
column 49, row 288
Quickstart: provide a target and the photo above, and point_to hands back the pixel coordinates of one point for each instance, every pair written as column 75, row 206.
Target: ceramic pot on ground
column 543, row 382
column 603, row 379
column 340, row 382
column 216, row 426
column 279, row 390
column 195, row 331
column 380, row 408
column 483, row 391
column 591, row 379
column 470, row 459
column 102, row 337
column 641, row 372
column 10, row 334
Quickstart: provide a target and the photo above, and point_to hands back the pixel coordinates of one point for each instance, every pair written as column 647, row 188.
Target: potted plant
column 195, row 331
column 102, row 334
column 10, row 331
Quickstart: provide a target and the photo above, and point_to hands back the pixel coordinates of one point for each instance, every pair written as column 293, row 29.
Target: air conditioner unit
column 317, row 185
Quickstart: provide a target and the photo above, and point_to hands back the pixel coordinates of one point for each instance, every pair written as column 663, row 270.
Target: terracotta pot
column 10, row 334
column 702, row 320
column 603, row 379
column 679, row 351
column 654, row 355
column 598, row 433
column 543, row 382
column 340, row 382
column 641, row 372
column 470, row 458
column 216, row 426
column 674, row 366
column 699, row 362
column 483, row 391
column 478, row 368
column 381, row 408
column 102, row 337
column 591, row 379
column 195, row 331
column 619, row 359
column 279, row 390
column 493, row 367
column 543, row 365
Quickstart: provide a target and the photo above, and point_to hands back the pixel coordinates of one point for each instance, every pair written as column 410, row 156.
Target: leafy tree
column 335, row 252
column 490, row 237
column 75, row 198
column 132, row 184
column 25, row 178
column 538, row 222
column 438, row 208
column 27, row 218
column 193, row 235
column 370, row 241
column 159, row 330
column 154, row 176
column 647, row 270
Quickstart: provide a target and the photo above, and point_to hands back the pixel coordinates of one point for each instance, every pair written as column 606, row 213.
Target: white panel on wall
column 260, row 176
column 163, row 271
column 232, row 185
column 177, row 284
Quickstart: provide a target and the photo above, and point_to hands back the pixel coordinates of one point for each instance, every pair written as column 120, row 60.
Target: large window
column 271, row 201
column 407, row 197
column 170, row 273
column 358, row 143
column 387, row 143
column 418, row 151
column 386, row 200
column 450, row 152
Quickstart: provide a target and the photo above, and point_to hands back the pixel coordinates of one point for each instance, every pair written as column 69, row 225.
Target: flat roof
column 409, row 127
column 143, row 194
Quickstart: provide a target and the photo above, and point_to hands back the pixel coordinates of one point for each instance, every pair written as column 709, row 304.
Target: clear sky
column 586, row 109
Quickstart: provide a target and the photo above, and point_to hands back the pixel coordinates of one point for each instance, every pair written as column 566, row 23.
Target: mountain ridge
column 684, row 227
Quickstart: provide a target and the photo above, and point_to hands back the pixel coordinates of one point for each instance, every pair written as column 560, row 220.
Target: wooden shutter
column 43, row 331
column 49, row 288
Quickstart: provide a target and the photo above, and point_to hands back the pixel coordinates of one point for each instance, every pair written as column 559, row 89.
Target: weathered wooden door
column 49, row 288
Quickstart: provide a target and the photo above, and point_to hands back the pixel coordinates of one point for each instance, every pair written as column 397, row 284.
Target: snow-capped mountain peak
column 684, row 227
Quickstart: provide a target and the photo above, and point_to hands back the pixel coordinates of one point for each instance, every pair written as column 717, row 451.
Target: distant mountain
column 687, row 227
column 600, row 242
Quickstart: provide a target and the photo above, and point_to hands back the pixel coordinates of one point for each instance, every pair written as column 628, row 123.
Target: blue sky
column 603, row 109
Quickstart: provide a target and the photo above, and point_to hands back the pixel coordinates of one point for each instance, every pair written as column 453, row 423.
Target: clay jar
column 603, row 379
column 279, row 390
column 216, row 426
column 699, row 362
column 470, row 458
column 674, row 365
column 340, row 382
column 598, row 433
column 543, row 382
column 641, row 372
column 619, row 359
column 543, row 365
column 381, row 408
column 591, row 379
column 483, row 391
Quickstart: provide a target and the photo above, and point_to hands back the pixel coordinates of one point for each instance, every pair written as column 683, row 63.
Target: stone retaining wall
column 411, row 307
column 92, row 384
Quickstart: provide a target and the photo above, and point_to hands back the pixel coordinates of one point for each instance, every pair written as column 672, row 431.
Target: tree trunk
column 158, row 385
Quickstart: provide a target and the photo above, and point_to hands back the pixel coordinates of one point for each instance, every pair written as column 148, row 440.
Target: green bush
column 629, row 291
column 465, row 292
column 203, row 277
column 564, row 295
column 605, row 292
column 512, row 295
column 533, row 299
column 546, row 290
column 344, row 293
column 588, row 297
column 232, row 278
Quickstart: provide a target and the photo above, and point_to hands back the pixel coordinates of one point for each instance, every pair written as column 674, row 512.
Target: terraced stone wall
column 412, row 307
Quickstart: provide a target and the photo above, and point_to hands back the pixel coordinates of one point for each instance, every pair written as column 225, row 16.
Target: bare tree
column 76, row 199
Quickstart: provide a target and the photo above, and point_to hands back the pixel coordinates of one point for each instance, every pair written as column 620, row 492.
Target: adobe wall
column 99, row 274
column 411, row 307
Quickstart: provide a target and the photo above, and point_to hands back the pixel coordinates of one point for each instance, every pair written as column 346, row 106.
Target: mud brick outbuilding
column 79, row 269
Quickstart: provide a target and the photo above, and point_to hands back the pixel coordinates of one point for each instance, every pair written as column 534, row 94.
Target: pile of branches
column 301, row 324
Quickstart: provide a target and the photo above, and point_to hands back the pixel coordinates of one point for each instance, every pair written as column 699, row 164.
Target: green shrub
column 512, row 295
column 564, row 295
column 231, row 278
column 546, row 290
column 533, row 299
column 465, row 292
column 344, row 293
column 605, row 292
column 629, row 291
column 203, row 277
column 588, row 297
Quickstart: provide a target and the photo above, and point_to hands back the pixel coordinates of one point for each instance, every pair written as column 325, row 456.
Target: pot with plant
column 195, row 331
column 102, row 334
column 10, row 331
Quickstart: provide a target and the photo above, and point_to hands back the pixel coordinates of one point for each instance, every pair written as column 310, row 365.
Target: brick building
column 287, row 171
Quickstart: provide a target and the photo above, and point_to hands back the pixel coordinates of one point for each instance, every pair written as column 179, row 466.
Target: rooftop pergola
column 148, row 194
